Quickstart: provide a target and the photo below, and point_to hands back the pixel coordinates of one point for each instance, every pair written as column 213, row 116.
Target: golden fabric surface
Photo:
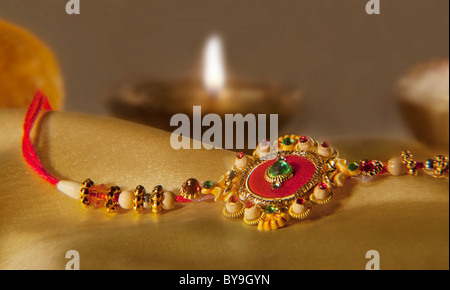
column 406, row 219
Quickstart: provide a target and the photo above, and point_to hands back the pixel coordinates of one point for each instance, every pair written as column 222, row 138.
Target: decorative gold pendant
column 268, row 193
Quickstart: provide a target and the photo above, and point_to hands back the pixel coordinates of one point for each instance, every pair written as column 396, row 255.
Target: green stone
column 269, row 209
column 280, row 167
column 353, row 166
column 288, row 141
column 208, row 184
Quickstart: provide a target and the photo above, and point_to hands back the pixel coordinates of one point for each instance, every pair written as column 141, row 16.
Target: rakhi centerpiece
column 268, row 188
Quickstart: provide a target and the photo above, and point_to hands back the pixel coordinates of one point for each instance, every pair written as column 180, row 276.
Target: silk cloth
column 405, row 219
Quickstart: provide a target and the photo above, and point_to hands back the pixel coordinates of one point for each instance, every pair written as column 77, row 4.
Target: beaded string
column 90, row 194
column 267, row 214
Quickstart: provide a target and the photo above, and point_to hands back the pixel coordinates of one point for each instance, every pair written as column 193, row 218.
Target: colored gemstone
column 208, row 184
column 249, row 204
column 191, row 186
column 323, row 185
column 98, row 191
column 367, row 166
column 303, row 139
column 280, row 167
column 420, row 165
column 353, row 166
column 269, row 209
column 300, row 200
column 240, row 155
column 325, row 145
column 288, row 141
column 233, row 199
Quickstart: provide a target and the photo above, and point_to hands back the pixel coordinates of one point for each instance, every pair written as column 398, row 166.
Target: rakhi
column 266, row 189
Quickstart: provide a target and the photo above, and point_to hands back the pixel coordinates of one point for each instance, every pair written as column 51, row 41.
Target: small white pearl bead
column 299, row 208
column 306, row 146
column 396, row 167
column 233, row 207
column 169, row 200
column 241, row 163
column 325, row 151
column 252, row 213
column 126, row 199
column 321, row 194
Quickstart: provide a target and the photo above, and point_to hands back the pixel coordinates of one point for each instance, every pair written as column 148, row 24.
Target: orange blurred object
column 26, row 65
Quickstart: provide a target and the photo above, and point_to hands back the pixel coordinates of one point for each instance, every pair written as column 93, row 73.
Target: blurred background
column 345, row 62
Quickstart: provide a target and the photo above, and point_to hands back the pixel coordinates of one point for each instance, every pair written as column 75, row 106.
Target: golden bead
column 411, row 165
column 139, row 191
column 88, row 183
column 138, row 200
column 85, row 201
column 440, row 165
column 156, row 208
column 409, row 162
column 156, row 199
column 139, row 208
column 84, row 191
column 110, row 204
column 406, row 155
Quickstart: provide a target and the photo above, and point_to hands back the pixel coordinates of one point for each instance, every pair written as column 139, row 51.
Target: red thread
column 39, row 102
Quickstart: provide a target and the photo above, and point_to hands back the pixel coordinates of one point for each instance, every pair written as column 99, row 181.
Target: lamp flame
column 213, row 66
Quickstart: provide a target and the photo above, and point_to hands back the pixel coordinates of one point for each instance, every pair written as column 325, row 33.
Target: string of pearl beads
column 114, row 199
